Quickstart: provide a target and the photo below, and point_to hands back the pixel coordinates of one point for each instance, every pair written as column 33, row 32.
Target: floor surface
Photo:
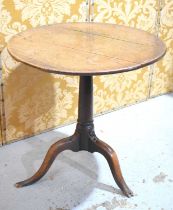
column 142, row 136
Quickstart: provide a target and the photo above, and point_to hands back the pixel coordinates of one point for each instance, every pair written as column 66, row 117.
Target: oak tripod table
column 85, row 50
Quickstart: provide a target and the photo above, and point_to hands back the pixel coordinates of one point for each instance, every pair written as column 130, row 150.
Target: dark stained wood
column 86, row 48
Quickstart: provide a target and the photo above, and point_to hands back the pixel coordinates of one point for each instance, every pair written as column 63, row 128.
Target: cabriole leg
column 69, row 143
column 111, row 157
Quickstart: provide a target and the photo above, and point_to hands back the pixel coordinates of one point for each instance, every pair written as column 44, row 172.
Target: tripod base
column 84, row 138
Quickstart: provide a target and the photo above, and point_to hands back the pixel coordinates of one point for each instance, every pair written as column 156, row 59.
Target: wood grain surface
column 86, row 48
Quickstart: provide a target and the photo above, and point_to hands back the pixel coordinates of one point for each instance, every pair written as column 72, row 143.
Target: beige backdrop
column 35, row 101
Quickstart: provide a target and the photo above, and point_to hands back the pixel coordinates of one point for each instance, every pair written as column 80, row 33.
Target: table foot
column 111, row 157
column 69, row 143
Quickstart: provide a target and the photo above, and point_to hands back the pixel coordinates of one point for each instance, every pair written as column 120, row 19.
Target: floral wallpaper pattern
column 35, row 101
column 162, row 81
column 18, row 15
column 43, row 12
column 139, row 14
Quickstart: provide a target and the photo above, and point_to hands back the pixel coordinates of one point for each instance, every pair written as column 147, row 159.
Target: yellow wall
column 19, row 15
column 153, row 16
column 162, row 80
column 35, row 101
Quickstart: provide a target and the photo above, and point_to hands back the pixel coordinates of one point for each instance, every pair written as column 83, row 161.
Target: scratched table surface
column 86, row 48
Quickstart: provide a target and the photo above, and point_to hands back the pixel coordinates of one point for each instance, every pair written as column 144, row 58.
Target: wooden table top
column 86, row 48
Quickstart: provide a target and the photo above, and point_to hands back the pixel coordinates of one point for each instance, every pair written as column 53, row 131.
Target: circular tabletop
column 86, row 48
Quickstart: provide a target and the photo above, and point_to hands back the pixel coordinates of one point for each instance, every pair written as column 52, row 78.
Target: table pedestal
column 84, row 138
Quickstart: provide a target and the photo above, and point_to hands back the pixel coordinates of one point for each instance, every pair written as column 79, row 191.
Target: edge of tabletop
column 50, row 69
column 89, row 73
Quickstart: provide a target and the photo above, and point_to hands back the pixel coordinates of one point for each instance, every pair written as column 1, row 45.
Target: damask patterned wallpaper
column 155, row 16
column 18, row 15
column 140, row 14
column 35, row 101
column 162, row 80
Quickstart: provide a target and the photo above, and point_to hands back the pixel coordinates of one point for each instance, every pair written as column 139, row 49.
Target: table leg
column 84, row 138
column 88, row 139
column 111, row 157
column 69, row 143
